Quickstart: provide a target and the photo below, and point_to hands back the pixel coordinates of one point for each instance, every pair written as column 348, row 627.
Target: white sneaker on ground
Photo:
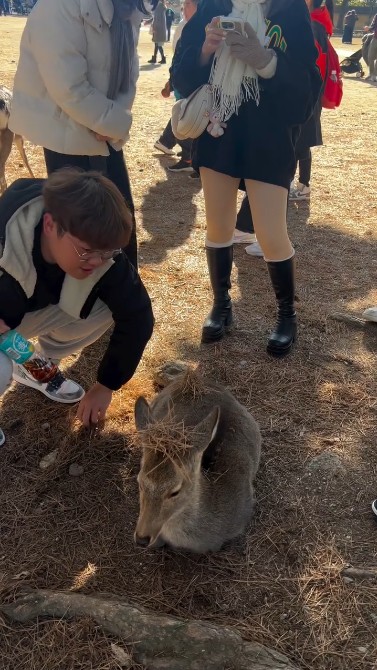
column 370, row 314
column 254, row 250
column 301, row 192
column 240, row 237
column 161, row 147
column 2, row 438
column 374, row 507
column 58, row 389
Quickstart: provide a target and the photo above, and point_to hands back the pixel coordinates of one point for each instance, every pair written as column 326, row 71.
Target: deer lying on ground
column 200, row 455
column 7, row 137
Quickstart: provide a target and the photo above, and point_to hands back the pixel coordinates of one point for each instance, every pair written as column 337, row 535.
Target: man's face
column 74, row 256
column 189, row 9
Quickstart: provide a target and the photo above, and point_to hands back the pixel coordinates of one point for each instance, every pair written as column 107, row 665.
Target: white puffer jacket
column 59, row 96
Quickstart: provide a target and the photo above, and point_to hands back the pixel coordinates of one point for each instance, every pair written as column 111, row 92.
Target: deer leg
column 19, row 142
column 6, row 140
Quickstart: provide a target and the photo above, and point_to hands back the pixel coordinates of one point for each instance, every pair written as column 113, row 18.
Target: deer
column 200, row 454
column 7, row 137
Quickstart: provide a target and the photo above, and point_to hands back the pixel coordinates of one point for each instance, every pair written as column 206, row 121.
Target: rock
column 347, row 580
column 362, row 650
column 328, row 463
column 76, row 470
column 48, row 460
column 45, row 427
column 121, row 656
column 21, row 575
column 167, row 372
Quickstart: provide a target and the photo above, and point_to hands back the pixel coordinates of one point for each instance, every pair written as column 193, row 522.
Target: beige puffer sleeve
column 58, row 43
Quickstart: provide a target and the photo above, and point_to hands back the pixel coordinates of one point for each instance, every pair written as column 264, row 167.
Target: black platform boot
column 282, row 276
column 219, row 319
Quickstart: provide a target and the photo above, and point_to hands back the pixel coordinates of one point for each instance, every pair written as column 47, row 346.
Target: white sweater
column 60, row 87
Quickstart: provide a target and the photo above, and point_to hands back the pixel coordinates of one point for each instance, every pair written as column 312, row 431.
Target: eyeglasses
column 96, row 255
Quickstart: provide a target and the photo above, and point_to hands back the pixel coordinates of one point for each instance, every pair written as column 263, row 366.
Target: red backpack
column 333, row 90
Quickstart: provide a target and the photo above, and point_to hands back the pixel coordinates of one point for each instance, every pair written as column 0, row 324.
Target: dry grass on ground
column 280, row 584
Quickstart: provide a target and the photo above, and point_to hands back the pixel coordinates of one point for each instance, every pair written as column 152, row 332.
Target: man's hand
column 3, row 327
column 102, row 138
column 94, row 404
column 166, row 90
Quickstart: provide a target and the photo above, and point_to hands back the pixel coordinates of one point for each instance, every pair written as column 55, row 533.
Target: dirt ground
column 281, row 584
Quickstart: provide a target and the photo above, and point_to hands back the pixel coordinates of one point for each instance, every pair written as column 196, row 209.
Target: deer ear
column 143, row 414
column 206, row 430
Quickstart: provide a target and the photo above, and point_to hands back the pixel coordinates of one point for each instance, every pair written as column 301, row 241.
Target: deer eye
column 173, row 494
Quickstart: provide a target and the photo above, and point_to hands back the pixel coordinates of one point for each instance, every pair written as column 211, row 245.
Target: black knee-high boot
column 282, row 276
column 220, row 317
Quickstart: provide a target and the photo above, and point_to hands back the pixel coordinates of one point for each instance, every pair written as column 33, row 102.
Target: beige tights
column 268, row 204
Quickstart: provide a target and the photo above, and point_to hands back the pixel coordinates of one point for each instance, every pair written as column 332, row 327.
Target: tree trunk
column 158, row 642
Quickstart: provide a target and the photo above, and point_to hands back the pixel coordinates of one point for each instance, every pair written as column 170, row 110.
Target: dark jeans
column 304, row 160
column 169, row 140
column 114, row 167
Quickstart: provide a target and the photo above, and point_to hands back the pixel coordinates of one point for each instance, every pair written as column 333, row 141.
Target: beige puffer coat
column 59, row 96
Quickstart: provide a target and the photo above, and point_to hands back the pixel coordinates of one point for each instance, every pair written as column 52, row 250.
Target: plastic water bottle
column 21, row 351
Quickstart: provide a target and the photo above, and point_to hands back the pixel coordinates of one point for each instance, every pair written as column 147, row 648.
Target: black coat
column 258, row 142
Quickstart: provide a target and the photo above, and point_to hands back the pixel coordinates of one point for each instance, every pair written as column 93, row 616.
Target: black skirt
column 245, row 152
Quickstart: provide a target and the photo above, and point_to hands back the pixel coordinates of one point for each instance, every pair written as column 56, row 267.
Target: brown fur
column 201, row 451
column 7, row 137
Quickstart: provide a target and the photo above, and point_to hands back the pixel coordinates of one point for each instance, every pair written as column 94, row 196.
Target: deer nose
column 142, row 541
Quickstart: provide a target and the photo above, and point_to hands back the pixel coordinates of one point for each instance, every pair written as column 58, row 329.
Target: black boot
column 152, row 60
column 282, row 276
column 219, row 319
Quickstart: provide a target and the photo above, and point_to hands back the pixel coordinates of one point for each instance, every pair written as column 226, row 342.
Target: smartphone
column 235, row 26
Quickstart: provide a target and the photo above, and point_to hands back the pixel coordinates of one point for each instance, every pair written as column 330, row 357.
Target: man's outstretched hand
column 94, row 405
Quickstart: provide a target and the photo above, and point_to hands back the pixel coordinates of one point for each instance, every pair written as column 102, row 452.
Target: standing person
column 372, row 50
column 350, row 21
column 66, row 281
column 75, row 86
column 265, row 84
column 159, row 32
column 311, row 132
column 170, row 16
column 4, row 7
column 167, row 140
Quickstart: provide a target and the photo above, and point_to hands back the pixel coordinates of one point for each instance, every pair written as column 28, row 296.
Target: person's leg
column 268, row 205
column 372, row 58
column 220, row 195
column 305, row 167
column 168, row 139
column 56, row 161
column 244, row 219
column 161, row 50
column 60, row 335
column 5, row 382
column 154, row 57
column 117, row 172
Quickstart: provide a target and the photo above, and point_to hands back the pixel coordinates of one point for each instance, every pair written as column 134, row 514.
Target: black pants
column 114, row 167
column 168, row 31
column 304, row 160
column 244, row 218
column 169, row 140
column 158, row 49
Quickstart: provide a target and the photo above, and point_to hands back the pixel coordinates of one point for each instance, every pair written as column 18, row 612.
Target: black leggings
column 114, row 167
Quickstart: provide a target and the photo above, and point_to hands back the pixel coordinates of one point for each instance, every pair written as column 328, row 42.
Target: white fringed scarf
column 234, row 82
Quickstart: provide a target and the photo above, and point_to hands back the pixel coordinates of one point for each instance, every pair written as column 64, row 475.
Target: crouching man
column 65, row 280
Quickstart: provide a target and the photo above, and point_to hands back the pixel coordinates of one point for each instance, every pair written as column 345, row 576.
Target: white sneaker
column 301, row 192
column 240, row 237
column 58, row 389
column 161, row 147
column 370, row 314
column 2, row 438
column 374, row 507
column 255, row 250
